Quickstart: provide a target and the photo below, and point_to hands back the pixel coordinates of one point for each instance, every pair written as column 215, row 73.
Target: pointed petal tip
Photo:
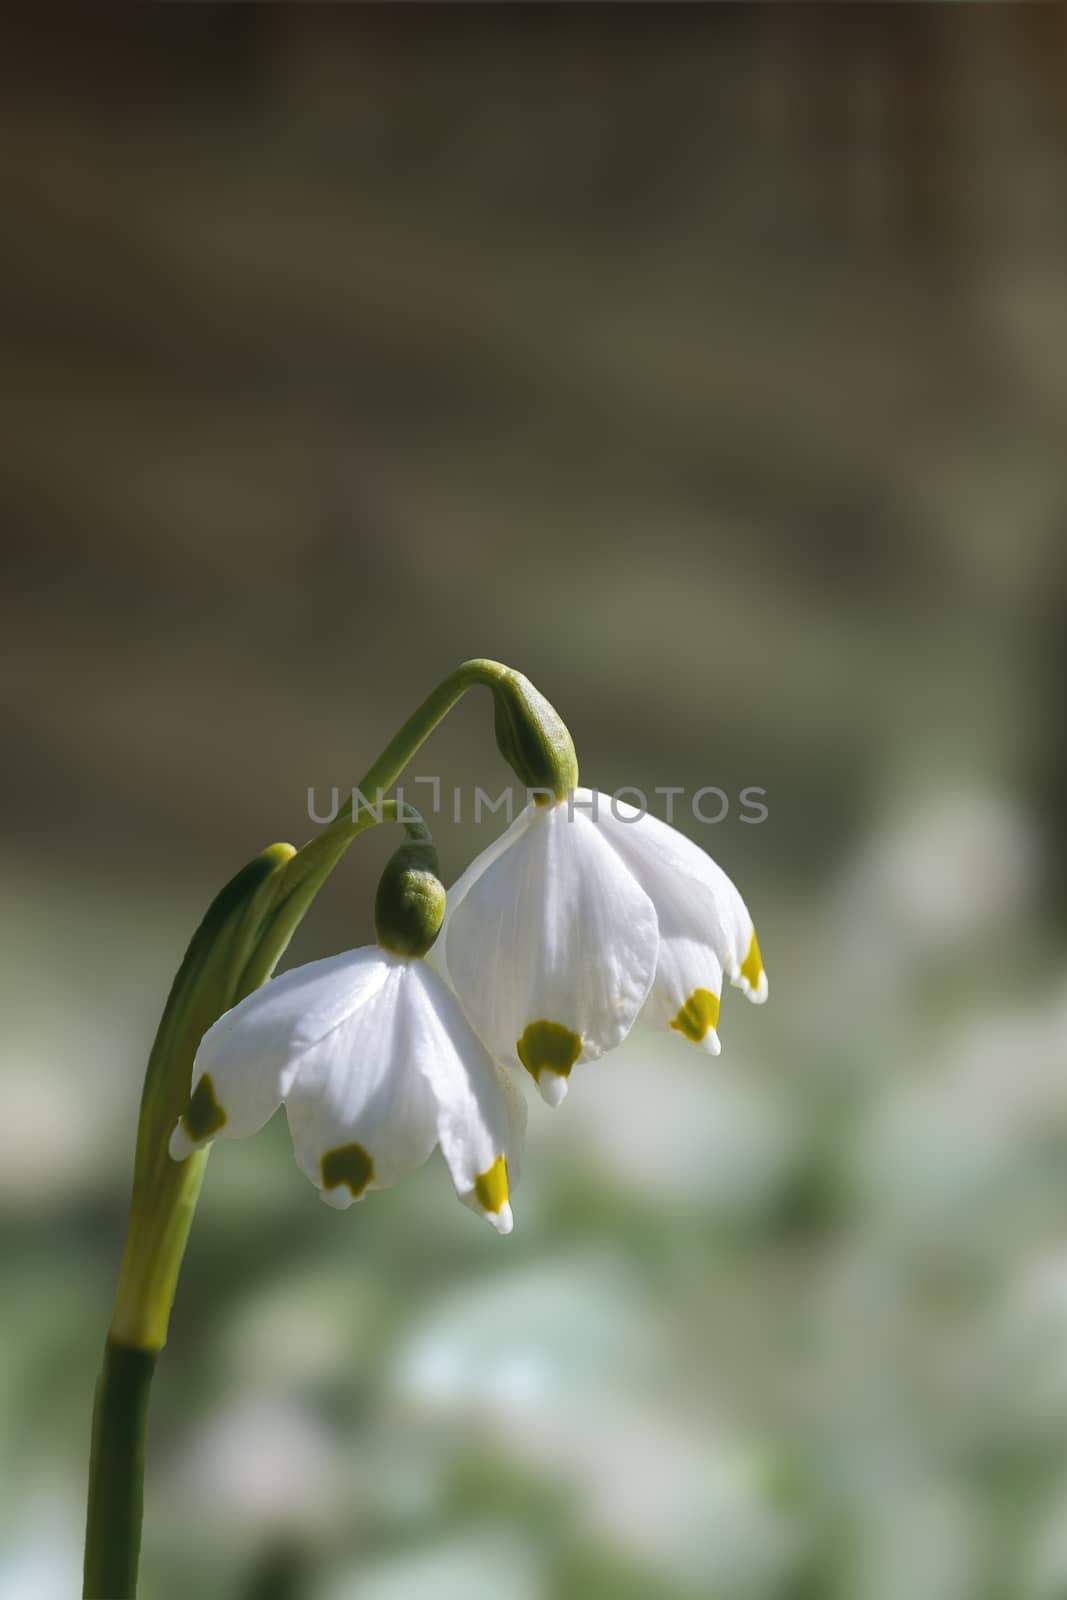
column 552, row 1087
column 503, row 1220
column 338, row 1198
column 697, row 1020
column 180, row 1145
column 756, row 992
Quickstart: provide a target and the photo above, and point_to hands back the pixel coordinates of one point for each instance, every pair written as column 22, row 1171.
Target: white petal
column 360, row 1114
column 481, row 1115
column 549, row 931
column 437, row 957
column 687, row 990
column 688, row 983
column 710, row 909
column 251, row 1055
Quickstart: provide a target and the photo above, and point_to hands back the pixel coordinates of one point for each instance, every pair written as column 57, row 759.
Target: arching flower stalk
column 582, row 918
column 242, row 937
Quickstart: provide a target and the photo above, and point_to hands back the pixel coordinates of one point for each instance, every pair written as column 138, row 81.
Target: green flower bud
column 531, row 735
column 409, row 907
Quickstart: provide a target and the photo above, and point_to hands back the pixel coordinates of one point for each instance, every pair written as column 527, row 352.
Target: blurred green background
column 711, row 367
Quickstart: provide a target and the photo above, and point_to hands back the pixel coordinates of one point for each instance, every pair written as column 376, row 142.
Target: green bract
column 409, row 907
column 532, row 737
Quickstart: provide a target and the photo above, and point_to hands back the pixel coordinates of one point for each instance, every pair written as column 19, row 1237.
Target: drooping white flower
column 582, row 916
column 376, row 1065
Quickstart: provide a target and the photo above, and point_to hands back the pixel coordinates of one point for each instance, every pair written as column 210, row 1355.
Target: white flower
column 582, row 916
column 376, row 1065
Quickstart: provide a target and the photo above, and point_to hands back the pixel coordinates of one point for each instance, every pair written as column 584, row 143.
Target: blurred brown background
column 709, row 365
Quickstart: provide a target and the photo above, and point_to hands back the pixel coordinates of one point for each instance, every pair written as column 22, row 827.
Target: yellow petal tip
column 699, row 1017
column 349, row 1165
column 548, row 1051
column 491, row 1186
column 203, row 1116
column 752, row 977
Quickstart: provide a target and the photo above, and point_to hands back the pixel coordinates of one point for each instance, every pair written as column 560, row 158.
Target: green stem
column 243, row 935
column 312, row 865
column 120, row 1411
column 161, row 1212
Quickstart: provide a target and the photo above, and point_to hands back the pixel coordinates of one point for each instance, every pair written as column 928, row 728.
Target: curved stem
column 161, row 1211
column 243, row 935
column 312, row 864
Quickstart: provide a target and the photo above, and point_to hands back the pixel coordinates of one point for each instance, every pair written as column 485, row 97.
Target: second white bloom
column 376, row 1065
column 582, row 917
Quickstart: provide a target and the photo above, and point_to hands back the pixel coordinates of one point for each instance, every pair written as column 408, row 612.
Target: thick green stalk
column 161, row 1212
column 113, row 1530
column 236, row 948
